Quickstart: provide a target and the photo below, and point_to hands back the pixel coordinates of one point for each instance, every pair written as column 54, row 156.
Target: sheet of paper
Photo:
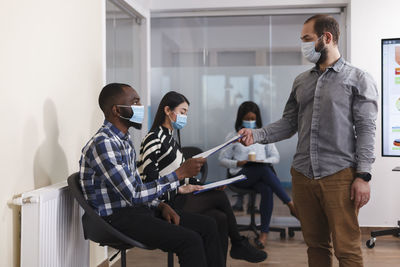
column 221, row 183
column 211, row 151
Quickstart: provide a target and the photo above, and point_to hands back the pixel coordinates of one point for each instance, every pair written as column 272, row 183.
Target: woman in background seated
column 260, row 177
column 160, row 154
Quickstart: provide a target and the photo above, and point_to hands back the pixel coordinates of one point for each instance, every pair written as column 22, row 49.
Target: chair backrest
column 189, row 152
column 96, row 228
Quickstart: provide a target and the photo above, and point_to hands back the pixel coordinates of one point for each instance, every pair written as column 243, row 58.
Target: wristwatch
column 364, row 175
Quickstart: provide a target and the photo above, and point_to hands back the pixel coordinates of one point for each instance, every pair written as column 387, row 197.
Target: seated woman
column 160, row 153
column 260, row 177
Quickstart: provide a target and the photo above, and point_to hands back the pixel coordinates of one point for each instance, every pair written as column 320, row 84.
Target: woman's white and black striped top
column 159, row 154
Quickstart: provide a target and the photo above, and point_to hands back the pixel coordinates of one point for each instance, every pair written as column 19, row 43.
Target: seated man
column 111, row 184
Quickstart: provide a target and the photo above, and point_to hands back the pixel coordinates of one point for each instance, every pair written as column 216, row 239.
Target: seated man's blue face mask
column 136, row 115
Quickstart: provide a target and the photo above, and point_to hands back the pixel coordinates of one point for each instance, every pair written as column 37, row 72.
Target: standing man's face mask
column 309, row 52
column 137, row 113
column 180, row 121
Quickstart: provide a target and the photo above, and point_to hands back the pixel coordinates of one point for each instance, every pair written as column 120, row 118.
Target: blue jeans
column 263, row 179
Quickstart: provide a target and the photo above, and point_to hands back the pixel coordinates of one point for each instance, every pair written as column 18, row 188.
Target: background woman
column 260, row 177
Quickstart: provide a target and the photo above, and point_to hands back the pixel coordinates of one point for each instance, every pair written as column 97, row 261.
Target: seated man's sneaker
column 244, row 251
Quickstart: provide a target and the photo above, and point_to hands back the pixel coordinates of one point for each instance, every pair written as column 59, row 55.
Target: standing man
column 111, row 184
column 333, row 109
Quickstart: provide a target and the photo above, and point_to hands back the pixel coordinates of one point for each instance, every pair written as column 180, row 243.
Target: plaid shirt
column 108, row 174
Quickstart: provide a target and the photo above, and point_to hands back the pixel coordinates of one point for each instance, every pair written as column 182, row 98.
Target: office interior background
column 55, row 56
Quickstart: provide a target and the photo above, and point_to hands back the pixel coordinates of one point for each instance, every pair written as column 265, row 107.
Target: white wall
column 371, row 21
column 368, row 22
column 50, row 76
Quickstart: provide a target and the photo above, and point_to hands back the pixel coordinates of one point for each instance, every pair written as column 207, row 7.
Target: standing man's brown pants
column 327, row 214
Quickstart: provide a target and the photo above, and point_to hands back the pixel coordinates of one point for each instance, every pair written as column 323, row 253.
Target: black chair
column 98, row 230
column 252, row 206
column 374, row 234
column 190, row 151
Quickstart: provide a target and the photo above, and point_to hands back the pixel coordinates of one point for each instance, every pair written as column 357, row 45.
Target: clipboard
column 214, row 185
column 257, row 162
column 211, row 151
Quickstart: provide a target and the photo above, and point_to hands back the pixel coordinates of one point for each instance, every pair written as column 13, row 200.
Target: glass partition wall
column 220, row 62
column 123, row 51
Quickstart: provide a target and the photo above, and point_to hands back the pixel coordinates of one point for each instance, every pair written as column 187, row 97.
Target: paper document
column 221, row 183
column 217, row 148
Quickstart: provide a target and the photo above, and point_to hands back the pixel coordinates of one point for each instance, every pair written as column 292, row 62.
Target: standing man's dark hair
column 325, row 23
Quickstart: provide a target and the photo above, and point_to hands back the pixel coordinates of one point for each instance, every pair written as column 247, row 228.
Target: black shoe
column 245, row 251
column 237, row 207
column 258, row 243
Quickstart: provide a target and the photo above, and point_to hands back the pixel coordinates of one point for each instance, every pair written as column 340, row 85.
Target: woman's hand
column 240, row 163
column 186, row 189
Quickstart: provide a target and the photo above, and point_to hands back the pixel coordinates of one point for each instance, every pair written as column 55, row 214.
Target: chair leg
column 170, row 259
column 123, row 258
column 253, row 225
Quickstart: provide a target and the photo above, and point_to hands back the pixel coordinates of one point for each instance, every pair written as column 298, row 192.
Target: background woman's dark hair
column 171, row 99
column 244, row 108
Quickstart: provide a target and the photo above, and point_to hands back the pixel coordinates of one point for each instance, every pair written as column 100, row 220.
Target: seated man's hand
column 247, row 136
column 186, row 189
column 190, row 168
column 168, row 213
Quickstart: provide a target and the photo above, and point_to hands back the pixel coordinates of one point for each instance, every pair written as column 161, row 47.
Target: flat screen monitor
column 391, row 97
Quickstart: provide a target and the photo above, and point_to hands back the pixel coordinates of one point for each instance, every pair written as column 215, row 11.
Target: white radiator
column 51, row 229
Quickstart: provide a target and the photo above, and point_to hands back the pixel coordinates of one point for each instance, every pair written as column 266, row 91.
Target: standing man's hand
column 190, row 168
column 360, row 192
column 247, row 136
column 169, row 214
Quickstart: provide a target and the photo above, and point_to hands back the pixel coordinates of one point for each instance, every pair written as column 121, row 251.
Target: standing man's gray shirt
column 334, row 114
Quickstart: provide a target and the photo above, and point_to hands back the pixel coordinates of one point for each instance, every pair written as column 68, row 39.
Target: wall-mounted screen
column 391, row 97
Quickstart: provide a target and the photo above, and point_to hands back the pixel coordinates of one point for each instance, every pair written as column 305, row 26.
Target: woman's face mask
column 249, row 124
column 180, row 122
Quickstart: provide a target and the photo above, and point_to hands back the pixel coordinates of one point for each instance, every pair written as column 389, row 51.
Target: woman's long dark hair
column 244, row 108
column 171, row 99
